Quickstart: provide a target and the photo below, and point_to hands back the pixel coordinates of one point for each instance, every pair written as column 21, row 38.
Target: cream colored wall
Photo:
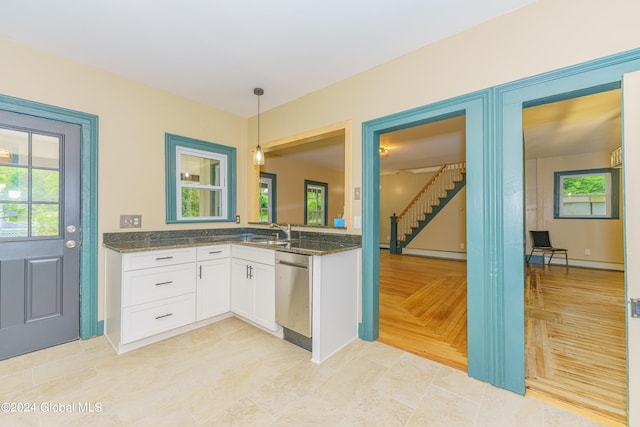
column 290, row 187
column 396, row 191
column 544, row 36
column 604, row 238
column 133, row 119
column 447, row 231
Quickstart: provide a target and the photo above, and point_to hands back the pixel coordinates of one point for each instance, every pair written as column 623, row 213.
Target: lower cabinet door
column 264, row 301
column 241, row 289
column 144, row 320
column 214, row 288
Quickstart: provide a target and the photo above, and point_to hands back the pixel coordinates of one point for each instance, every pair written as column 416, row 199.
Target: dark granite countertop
column 307, row 243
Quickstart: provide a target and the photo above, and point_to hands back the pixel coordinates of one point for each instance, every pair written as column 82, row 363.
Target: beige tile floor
column 231, row 373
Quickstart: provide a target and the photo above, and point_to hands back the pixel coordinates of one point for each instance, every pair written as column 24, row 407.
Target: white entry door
column 631, row 160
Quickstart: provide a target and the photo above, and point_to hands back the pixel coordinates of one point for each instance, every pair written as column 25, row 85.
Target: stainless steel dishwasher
column 293, row 297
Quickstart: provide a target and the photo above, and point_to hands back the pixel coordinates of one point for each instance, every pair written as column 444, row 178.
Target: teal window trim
column 172, row 143
column 89, row 324
column 325, row 201
column 613, row 193
column 273, row 197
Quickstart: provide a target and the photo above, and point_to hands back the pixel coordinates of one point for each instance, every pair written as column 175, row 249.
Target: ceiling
column 216, row 51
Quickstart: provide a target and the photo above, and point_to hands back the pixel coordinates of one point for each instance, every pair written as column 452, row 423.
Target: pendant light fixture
column 258, row 154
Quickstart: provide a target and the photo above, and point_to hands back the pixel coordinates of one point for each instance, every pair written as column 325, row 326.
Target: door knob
column 71, row 244
column 71, row 228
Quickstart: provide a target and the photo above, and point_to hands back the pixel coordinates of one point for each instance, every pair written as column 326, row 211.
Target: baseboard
column 458, row 256
column 597, row 265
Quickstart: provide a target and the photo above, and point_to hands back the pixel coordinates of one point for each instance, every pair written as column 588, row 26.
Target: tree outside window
column 315, row 209
column 587, row 194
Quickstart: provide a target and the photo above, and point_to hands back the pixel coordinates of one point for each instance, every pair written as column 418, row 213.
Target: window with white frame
column 200, row 180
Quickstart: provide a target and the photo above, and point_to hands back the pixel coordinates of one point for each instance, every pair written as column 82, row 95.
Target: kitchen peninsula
column 161, row 284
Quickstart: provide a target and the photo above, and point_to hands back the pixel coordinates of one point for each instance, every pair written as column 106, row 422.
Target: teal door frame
column 89, row 324
column 495, row 207
column 479, row 200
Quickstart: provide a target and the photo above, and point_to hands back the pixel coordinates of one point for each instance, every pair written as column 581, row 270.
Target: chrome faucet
column 286, row 229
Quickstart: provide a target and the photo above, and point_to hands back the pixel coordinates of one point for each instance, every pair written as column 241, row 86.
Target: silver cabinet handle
column 200, row 273
column 164, row 283
column 215, row 252
column 164, row 315
column 163, row 258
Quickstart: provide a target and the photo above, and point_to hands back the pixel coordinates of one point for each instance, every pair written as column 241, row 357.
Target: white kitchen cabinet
column 253, row 285
column 148, row 293
column 213, row 281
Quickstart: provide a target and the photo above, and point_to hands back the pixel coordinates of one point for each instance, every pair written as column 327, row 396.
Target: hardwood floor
column 575, row 333
column 423, row 307
column 576, row 338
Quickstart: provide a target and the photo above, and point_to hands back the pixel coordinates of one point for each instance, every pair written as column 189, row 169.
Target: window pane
column 46, row 185
column 199, row 170
column 45, row 219
column 593, row 184
column 198, row 203
column 13, row 220
column 45, row 151
column 14, row 147
column 14, row 183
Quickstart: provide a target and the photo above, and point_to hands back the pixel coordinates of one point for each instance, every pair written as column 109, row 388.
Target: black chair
column 540, row 242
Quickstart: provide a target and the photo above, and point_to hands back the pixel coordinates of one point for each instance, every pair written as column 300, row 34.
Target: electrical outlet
column 461, row 245
column 587, row 251
column 237, row 219
column 130, row 221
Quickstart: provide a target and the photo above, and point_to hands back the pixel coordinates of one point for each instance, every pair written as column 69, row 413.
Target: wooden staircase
column 428, row 202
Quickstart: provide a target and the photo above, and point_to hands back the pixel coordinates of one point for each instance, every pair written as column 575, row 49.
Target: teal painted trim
column 574, row 94
column 615, row 192
column 510, row 99
column 473, row 106
column 100, row 328
column 89, row 188
column 171, row 142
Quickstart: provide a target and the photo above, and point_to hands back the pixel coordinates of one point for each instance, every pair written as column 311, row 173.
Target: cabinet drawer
column 153, row 284
column 263, row 256
column 213, row 252
column 144, row 320
column 138, row 260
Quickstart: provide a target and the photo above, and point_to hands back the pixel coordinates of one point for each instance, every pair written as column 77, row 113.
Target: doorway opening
column 575, row 334
column 423, row 274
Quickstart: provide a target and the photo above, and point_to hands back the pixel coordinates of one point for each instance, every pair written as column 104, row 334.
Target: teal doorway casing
column 89, row 324
column 495, row 207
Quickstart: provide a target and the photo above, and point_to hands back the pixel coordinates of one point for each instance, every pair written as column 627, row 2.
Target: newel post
column 393, row 240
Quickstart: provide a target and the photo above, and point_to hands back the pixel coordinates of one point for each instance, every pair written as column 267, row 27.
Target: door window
column 29, row 184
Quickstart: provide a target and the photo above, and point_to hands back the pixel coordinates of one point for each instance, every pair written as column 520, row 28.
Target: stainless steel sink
column 271, row 242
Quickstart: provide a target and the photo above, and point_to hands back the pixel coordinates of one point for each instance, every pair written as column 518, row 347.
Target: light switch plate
column 130, row 221
column 356, row 193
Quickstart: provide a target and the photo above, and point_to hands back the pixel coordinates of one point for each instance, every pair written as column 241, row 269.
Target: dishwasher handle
column 293, row 264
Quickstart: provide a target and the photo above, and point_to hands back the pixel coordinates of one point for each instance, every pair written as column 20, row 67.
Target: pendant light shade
column 258, row 154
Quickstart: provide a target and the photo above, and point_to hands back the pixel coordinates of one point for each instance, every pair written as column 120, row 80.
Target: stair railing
column 428, row 196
